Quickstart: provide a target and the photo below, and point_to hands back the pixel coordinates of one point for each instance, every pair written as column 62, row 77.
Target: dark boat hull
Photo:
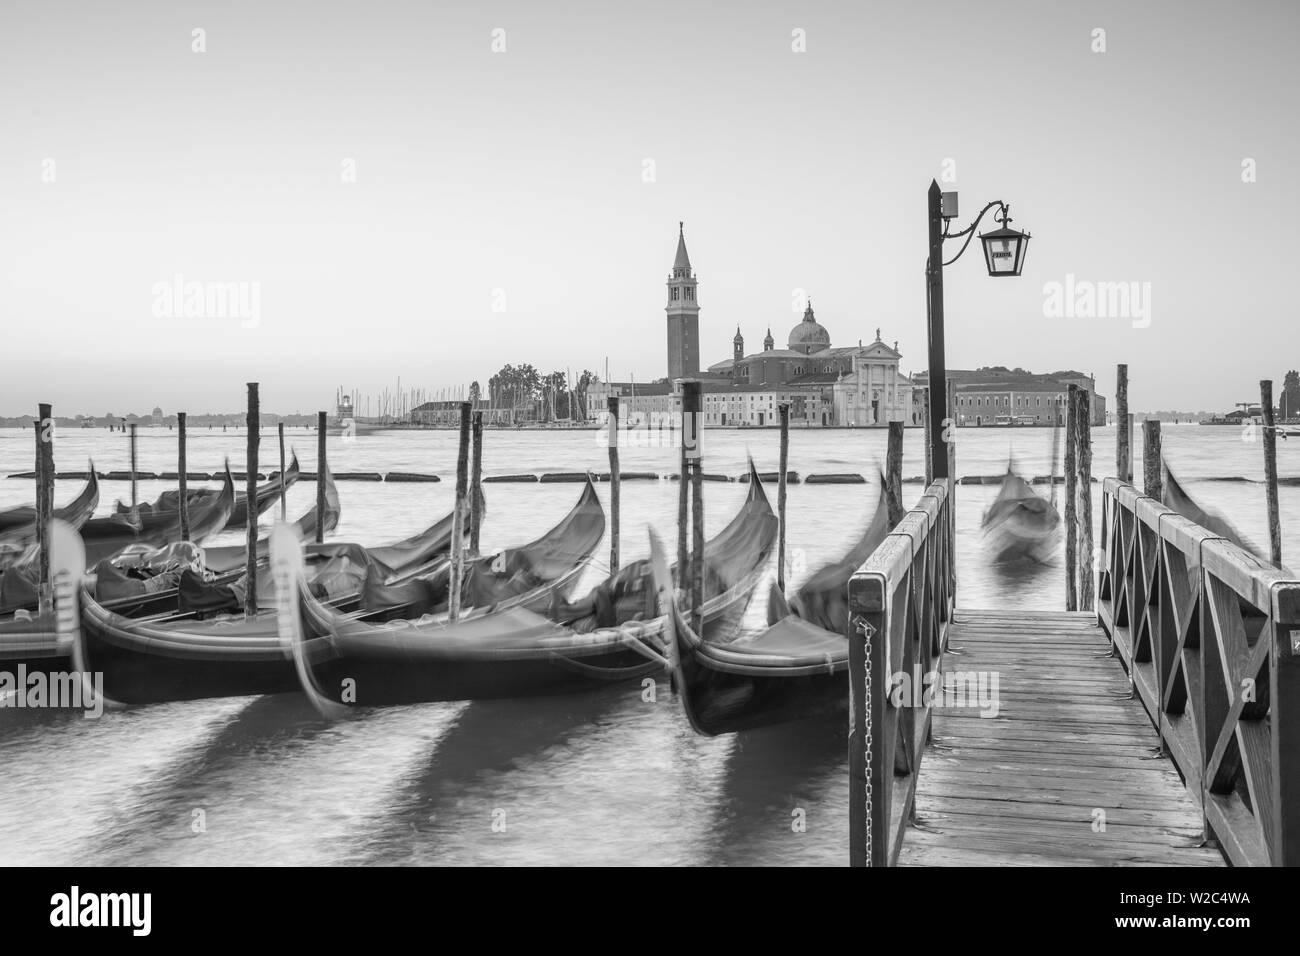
column 724, row 703
column 150, row 662
column 485, row 659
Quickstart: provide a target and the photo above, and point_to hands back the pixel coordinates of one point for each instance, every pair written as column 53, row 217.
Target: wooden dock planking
column 1022, row 788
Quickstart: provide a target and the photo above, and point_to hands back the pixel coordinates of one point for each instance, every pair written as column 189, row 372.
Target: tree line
column 516, row 385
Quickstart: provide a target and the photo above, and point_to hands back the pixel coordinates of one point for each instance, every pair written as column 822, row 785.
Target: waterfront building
column 640, row 404
column 999, row 396
column 874, row 391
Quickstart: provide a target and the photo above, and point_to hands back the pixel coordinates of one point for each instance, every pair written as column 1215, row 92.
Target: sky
column 398, row 199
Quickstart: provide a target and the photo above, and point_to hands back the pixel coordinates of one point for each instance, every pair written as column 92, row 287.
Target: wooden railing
column 900, row 608
column 1210, row 636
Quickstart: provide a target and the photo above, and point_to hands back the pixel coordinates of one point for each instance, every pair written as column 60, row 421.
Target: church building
column 854, row 385
column 683, row 314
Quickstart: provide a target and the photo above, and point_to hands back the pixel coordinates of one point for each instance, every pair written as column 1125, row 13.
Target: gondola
column 21, row 521
column 267, row 495
column 1020, row 524
column 180, row 657
column 104, row 537
column 1176, row 498
column 534, row 648
column 124, row 585
column 157, row 527
column 795, row 669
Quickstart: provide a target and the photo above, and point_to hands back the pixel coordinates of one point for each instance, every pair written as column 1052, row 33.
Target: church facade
column 824, row 385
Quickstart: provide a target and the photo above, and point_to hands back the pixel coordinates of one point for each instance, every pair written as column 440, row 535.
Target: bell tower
column 683, row 314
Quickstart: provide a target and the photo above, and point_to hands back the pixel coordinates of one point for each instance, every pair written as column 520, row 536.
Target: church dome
column 809, row 336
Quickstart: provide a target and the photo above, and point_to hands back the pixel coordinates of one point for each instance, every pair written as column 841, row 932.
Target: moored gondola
column 157, row 527
column 1020, row 524
column 180, row 657
column 617, row 632
column 1175, row 497
column 21, row 521
column 104, row 537
column 796, row 668
column 267, row 495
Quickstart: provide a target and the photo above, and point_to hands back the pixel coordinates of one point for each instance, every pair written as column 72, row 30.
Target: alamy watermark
column 1085, row 299
column 182, row 299
column 976, row 689
column 62, row 690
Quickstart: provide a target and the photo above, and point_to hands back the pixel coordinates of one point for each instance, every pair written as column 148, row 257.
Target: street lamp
column 1004, row 255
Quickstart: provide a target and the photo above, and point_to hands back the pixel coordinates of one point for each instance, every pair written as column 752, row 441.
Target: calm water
column 601, row 778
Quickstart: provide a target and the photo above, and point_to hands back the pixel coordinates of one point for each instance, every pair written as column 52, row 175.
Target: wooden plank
column 1069, row 739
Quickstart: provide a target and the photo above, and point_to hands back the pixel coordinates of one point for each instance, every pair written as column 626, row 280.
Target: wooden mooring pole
column 1270, row 472
column 254, row 434
column 476, row 482
column 44, row 503
column 283, row 489
column 1123, row 428
column 1152, row 477
column 135, row 501
column 321, row 466
column 784, row 410
column 615, row 482
column 458, row 517
column 894, row 473
column 181, row 465
column 1083, row 437
column 693, row 446
column 1071, row 501
column 683, row 508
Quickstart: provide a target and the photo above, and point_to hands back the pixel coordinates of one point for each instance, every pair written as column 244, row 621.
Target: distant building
column 640, row 404
column 157, row 417
column 1001, row 396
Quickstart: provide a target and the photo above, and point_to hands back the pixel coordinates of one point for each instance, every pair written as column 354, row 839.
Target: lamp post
column 1004, row 255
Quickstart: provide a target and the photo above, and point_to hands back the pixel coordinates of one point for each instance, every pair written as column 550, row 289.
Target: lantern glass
column 1004, row 251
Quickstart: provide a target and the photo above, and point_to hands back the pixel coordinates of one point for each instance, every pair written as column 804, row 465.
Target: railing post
column 870, row 774
column 1284, row 740
column 1071, row 501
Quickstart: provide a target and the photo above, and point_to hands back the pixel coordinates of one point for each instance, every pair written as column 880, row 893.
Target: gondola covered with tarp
column 105, row 537
column 794, row 669
column 191, row 656
column 137, row 581
column 268, row 494
column 156, row 526
column 533, row 648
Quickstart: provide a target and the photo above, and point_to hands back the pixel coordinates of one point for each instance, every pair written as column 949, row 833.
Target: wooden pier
column 1066, row 772
column 1159, row 727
